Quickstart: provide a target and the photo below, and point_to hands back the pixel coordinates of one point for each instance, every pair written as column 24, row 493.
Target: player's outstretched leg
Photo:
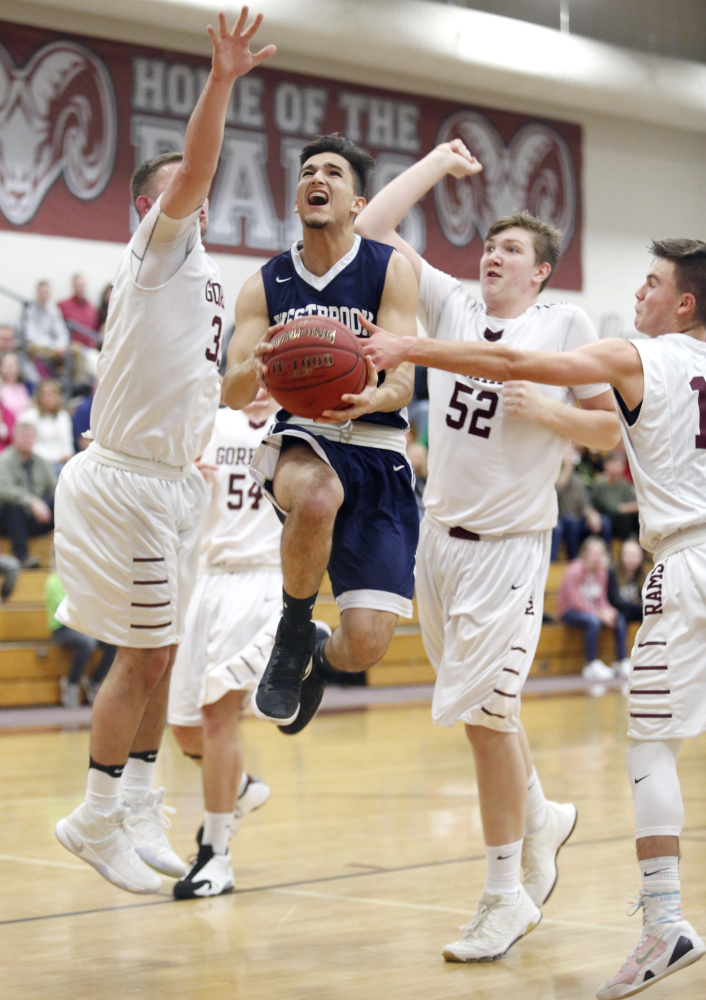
column 312, row 689
column 541, row 849
column 277, row 696
column 668, row 943
column 496, row 926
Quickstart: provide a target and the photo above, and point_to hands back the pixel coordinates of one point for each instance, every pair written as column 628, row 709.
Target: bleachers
column 30, row 666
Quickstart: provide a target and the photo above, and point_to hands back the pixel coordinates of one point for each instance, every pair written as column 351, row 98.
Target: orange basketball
column 314, row 362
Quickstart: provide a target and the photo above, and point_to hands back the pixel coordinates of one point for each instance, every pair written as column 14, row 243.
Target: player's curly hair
column 360, row 160
column 141, row 179
column 689, row 259
column 546, row 238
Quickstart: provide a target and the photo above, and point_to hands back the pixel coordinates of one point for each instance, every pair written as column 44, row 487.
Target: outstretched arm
column 232, row 58
column 383, row 214
column 397, row 311
column 613, row 360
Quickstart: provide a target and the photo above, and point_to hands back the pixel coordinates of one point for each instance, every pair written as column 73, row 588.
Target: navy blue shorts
column 376, row 529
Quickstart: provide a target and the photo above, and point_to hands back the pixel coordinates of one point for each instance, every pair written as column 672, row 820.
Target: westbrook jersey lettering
column 351, row 289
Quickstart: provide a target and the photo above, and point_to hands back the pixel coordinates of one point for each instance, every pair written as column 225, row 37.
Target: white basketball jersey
column 490, row 472
column 241, row 529
column 158, row 385
column 666, row 446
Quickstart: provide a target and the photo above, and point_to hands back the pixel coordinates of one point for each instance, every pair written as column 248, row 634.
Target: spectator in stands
column 613, row 495
column 577, row 518
column 43, row 333
column 9, row 342
column 583, row 602
column 625, row 580
column 81, row 317
column 55, row 433
column 82, row 648
column 27, row 485
column 103, row 304
column 9, row 571
column 14, row 394
column 77, row 310
column 81, row 420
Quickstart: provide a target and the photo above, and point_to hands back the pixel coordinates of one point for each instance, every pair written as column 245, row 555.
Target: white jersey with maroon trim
column 490, row 472
column 158, row 385
column 241, row 530
column 666, row 444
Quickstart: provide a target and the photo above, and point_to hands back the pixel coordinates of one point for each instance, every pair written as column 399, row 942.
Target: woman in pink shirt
column 14, row 395
column 583, row 601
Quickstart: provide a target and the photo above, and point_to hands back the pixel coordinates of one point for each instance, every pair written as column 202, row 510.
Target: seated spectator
column 27, row 485
column 81, row 317
column 82, row 647
column 576, row 518
column 14, row 394
column 9, row 570
column 583, row 601
column 9, row 342
column 55, row 433
column 81, row 420
column 43, row 333
column 103, row 304
column 625, row 580
column 613, row 495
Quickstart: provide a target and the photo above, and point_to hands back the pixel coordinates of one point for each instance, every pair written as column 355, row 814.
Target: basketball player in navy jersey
column 343, row 484
column 660, row 388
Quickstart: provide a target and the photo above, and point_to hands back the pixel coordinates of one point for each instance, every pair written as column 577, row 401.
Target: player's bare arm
column 613, row 360
column 245, row 368
column 595, row 425
column 232, row 58
column 397, row 312
column 381, row 216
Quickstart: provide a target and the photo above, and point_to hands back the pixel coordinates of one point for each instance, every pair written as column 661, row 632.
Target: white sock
column 138, row 776
column 102, row 791
column 216, row 831
column 660, row 877
column 536, row 808
column 502, row 873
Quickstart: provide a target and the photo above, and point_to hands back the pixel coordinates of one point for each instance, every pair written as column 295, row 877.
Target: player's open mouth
column 493, row 274
column 318, row 198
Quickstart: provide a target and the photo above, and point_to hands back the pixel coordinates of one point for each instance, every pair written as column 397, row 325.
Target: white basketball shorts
column 127, row 551
column 229, row 633
column 480, row 608
column 667, row 692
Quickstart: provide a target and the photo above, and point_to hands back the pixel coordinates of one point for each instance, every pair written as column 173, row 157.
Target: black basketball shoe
column 312, row 690
column 277, row 695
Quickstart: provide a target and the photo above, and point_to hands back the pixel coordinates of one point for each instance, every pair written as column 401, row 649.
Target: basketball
column 314, row 362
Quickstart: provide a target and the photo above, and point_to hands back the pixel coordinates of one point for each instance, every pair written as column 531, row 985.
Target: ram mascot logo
column 534, row 172
column 57, row 116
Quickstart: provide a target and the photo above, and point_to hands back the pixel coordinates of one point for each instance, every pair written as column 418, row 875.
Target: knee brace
column 657, row 801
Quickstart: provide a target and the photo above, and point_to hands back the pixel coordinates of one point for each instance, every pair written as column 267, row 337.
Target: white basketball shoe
column 494, row 929
column 540, row 851
column 145, row 821
column 101, row 841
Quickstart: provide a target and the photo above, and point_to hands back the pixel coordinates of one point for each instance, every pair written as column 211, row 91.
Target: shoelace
column 481, row 913
column 154, row 802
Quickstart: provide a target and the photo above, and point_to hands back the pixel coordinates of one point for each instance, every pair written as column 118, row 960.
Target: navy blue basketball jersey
column 353, row 287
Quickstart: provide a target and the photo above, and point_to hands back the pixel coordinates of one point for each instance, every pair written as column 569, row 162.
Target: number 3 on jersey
column 212, row 352
column 461, row 408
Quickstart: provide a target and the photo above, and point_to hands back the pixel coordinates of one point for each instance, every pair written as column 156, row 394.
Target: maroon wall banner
column 78, row 114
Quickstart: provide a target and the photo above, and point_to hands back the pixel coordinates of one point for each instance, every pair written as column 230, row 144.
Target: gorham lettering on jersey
column 653, row 591
column 349, row 316
column 214, row 293
column 234, row 456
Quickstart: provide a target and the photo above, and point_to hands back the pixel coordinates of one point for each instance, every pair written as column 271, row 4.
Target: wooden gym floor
column 349, row 881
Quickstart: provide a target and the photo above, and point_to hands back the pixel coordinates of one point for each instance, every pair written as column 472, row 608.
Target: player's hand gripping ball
column 314, row 362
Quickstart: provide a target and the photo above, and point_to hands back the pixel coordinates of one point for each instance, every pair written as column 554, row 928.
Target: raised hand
column 462, row 163
column 231, row 49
